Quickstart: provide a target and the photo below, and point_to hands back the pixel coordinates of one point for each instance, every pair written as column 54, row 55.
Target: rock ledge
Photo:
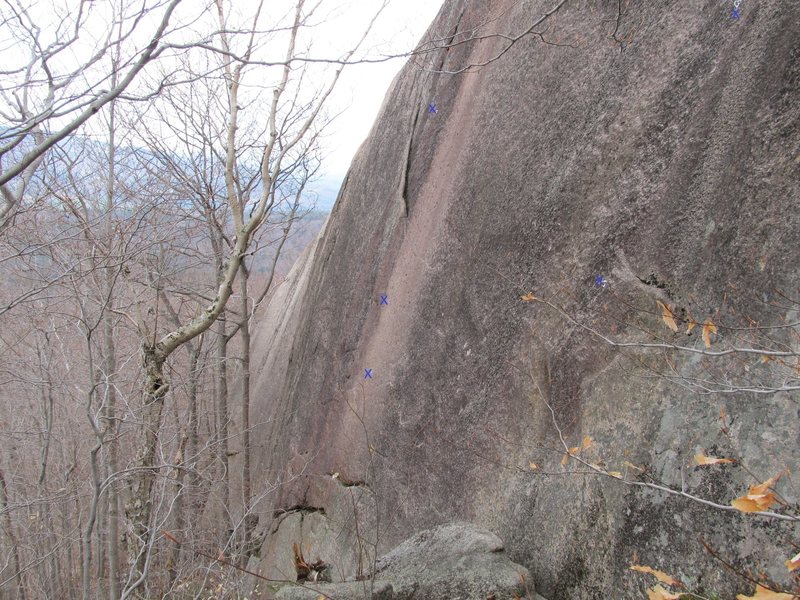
column 457, row 561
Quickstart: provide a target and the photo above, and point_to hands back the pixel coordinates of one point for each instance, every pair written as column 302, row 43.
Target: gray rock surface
column 664, row 157
column 456, row 561
column 348, row 590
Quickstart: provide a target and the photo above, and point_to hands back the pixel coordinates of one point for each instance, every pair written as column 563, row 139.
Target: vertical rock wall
column 661, row 152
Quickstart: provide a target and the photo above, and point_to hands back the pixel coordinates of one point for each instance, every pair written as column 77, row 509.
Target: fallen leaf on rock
column 793, row 563
column 529, row 297
column 633, row 466
column 708, row 329
column 533, row 466
column 691, row 326
column 702, row 459
column 659, row 593
column 567, row 455
column 763, row 593
column 615, row 474
column 660, row 575
column 587, row 441
column 667, row 316
column 758, row 498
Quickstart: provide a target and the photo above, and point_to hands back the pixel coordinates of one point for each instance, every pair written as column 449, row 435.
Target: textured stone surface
column 456, row 561
column 350, row 590
column 674, row 156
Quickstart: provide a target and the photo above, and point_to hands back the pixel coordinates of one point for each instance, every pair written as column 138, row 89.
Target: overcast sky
column 364, row 86
column 333, row 29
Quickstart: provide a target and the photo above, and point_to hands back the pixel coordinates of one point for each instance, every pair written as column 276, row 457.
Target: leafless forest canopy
column 156, row 158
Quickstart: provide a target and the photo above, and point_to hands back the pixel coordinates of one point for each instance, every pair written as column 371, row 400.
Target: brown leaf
column 763, row 593
column 587, row 441
column 615, row 474
column 660, row 575
column 568, row 454
column 758, row 498
column 659, row 593
column 529, row 297
column 691, row 326
column 708, row 329
column 533, row 466
column 632, row 466
column 667, row 316
column 793, row 563
column 170, row 537
column 702, row 459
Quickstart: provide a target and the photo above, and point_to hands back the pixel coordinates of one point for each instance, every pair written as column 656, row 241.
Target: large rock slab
column 346, row 590
column 658, row 149
column 456, row 561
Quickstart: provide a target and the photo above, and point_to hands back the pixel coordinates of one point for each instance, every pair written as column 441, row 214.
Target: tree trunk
column 140, row 505
column 221, row 369
column 110, row 364
column 245, row 378
column 12, row 538
column 189, row 438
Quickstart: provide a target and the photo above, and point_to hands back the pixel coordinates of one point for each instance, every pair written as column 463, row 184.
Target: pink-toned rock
column 667, row 163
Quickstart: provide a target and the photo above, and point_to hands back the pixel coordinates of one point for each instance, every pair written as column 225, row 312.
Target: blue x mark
column 735, row 14
column 383, row 300
column 368, row 373
column 432, row 108
column 599, row 281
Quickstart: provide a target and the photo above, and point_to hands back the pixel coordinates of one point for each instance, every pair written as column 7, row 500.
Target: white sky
column 363, row 87
column 336, row 27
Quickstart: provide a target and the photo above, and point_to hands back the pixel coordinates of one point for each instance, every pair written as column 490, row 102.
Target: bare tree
column 249, row 209
column 48, row 97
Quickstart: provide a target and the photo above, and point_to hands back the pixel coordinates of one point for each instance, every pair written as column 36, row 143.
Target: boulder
column 346, row 590
column 650, row 157
column 457, row 561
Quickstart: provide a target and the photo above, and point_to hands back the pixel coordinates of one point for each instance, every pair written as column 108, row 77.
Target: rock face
column 456, row 561
column 648, row 158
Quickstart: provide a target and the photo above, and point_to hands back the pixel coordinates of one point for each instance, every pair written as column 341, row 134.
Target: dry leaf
column 633, row 466
column 793, row 563
column 667, row 316
column 758, row 498
column 568, row 454
column 763, row 593
column 691, row 326
column 766, row 359
column 616, row 474
column 587, row 441
column 659, row 593
column 660, row 575
column 529, row 297
column 170, row 537
column 702, row 459
column 533, row 466
column 708, row 329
